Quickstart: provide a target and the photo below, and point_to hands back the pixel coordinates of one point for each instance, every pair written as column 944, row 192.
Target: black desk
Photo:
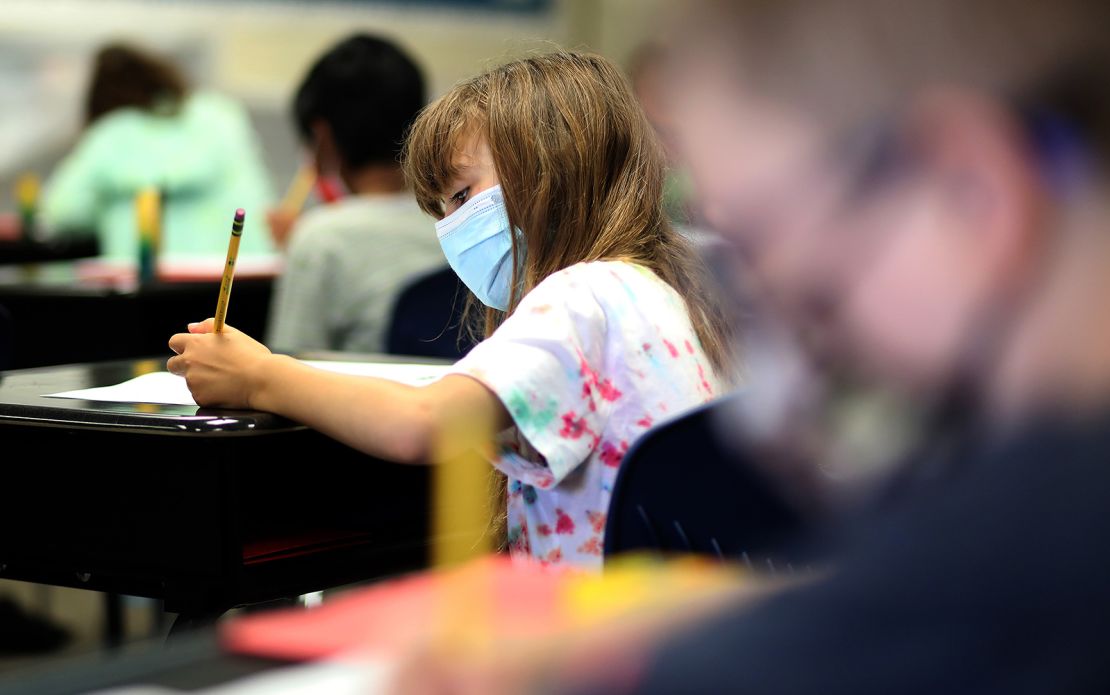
column 22, row 251
column 202, row 509
column 60, row 323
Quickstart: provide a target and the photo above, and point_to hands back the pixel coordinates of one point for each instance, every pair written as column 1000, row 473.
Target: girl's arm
column 379, row 417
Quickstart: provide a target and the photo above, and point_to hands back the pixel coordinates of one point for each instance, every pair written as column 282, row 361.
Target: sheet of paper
column 167, row 389
column 156, row 387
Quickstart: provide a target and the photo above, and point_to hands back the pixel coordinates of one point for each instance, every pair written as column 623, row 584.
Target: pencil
column 229, row 269
column 299, row 189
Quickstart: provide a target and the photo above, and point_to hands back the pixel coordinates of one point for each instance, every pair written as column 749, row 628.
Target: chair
column 427, row 316
column 679, row 489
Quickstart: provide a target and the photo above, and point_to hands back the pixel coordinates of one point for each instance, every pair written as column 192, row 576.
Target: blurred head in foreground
column 920, row 187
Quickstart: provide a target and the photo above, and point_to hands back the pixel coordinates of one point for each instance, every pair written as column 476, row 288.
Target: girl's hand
column 222, row 370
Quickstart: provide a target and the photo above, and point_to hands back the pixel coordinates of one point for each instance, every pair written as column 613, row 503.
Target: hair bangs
column 434, row 142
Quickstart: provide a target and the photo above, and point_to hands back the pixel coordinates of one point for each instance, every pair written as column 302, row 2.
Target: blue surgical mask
column 479, row 247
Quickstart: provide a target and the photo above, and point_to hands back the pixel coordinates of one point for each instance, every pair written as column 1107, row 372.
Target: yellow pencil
column 229, row 269
column 299, row 189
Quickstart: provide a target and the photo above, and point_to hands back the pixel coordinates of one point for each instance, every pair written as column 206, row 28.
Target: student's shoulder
column 210, row 106
column 587, row 287
column 316, row 234
column 602, row 279
column 359, row 221
column 116, row 131
column 591, row 271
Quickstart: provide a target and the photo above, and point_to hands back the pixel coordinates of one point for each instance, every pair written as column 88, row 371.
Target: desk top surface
column 22, row 403
column 13, row 251
column 64, row 280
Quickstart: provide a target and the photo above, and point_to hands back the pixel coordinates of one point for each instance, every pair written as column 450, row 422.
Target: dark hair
column 125, row 76
column 368, row 91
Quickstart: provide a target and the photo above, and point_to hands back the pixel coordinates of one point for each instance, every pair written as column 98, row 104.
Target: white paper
column 168, row 389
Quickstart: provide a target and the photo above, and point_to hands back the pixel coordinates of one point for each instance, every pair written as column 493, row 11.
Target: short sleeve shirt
column 593, row 357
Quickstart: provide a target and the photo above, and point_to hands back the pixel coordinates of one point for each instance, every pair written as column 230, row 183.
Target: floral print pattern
column 593, row 357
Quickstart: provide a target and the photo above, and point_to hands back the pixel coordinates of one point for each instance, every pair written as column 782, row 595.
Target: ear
column 984, row 171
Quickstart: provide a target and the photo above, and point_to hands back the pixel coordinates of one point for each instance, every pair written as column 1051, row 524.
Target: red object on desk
column 119, row 273
column 493, row 596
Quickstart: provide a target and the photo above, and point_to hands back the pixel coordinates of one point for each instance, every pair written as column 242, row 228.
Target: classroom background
column 255, row 52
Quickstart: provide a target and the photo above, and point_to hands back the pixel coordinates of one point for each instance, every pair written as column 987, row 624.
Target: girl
column 547, row 184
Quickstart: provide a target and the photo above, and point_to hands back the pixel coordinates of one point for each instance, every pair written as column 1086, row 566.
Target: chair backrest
column 426, row 318
column 679, row 489
column 7, row 340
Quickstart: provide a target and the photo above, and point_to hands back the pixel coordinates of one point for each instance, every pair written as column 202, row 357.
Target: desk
column 22, row 251
column 64, row 322
column 202, row 509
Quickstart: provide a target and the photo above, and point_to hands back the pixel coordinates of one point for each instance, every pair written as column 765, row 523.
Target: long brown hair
column 582, row 173
column 126, row 76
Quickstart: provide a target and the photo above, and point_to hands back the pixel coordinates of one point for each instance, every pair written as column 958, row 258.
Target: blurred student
column 921, row 190
column 348, row 260
column 547, row 183
column 953, row 248
column 145, row 127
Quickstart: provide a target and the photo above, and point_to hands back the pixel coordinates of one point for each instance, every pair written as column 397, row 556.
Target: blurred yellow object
column 633, row 582
column 27, row 191
column 148, row 216
column 299, row 189
column 461, row 504
column 148, row 221
column 27, row 197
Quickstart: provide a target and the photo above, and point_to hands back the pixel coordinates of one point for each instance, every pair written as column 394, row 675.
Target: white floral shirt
column 592, row 357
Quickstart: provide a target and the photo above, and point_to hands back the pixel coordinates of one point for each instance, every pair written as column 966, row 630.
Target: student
column 597, row 316
column 144, row 127
column 347, row 261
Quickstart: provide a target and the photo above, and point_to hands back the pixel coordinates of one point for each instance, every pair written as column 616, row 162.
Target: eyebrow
column 457, row 169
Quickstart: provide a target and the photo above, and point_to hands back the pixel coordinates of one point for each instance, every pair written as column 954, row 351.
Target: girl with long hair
column 599, row 320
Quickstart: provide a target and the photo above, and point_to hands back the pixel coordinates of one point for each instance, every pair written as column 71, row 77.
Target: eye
column 459, row 198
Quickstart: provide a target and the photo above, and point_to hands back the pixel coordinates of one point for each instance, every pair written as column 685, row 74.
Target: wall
column 259, row 50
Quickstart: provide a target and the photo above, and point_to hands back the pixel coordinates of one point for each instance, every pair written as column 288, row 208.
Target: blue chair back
column 680, row 489
column 427, row 316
